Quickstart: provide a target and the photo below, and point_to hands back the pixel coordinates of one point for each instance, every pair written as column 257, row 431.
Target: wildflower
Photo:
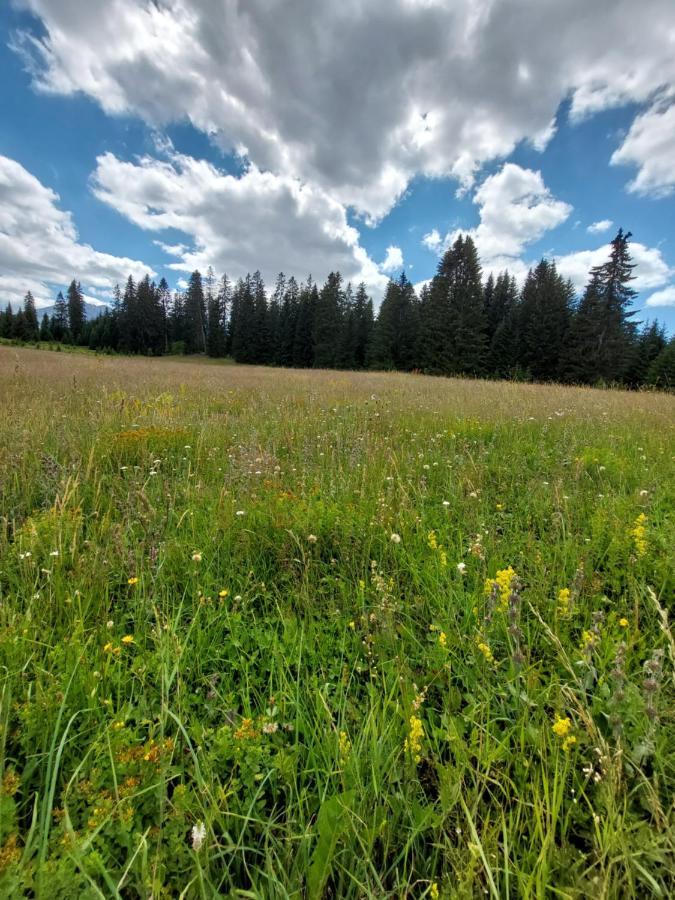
column 446, row 503
column 344, row 747
column 443, row 639
column 568, row 743
column 240, row 512
column 196, row 557
column 395, row 538
column 484, row 648
column 562, row 727
column 461, row 568
column 54, row 553
column 502, row 580
column 644, row 493
column 245, row 731
column 623, row 622
column 128, row 639
column 499, row 506
column 270, row 728
column 564, row 601
column 312, row 538
column 224, row 593
column 352, row 625
column 433, row 891
column 413, row 743
column 443, row 557
column 109, row 624
column 639, row 534
column 198, row 835
column 132, row 580
column 431, row 540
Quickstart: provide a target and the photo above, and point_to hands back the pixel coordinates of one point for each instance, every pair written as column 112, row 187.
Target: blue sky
column 222, row 150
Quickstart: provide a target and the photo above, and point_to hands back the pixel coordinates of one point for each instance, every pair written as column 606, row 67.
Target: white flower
column 312, row 538
column 110, row 624
column 395, row 538
column 196, row 557
column 461, row 568
column 446, row 503
column 270, row 728
column 643, row 493
column 240, row 512
column 198, row 835
column 54, row 553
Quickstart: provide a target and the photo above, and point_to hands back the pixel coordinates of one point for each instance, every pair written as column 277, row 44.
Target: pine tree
column 217, row 304
column 195, row 315
column 45, row 328
column 6, row 322
column 396, row 329
column 650, row 342
column 261, row 339
column 364, row 326
column 288, row 317
column 327, row 321
column 544, row 322
column 303, row 345
column 602, row 339
column 466, row 317
column 434, row 343
column 32, row 326
column 164, row 303
column 59, row 323
column 244, row 343
column 503, row 316
column 662, row 370
column 76, row 311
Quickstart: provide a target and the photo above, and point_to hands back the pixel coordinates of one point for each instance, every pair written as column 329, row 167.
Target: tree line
column 459, row 324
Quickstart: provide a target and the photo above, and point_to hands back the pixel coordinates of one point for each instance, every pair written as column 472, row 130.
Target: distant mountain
column 93, row 312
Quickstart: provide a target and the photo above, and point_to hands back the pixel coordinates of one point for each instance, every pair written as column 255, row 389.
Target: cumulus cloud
column 237, row 224
column 40, row 247
column 393, row 260
column 665, row 297
column 650, row 145
column 297, row 88
column 651, row 268
column 600, row 227
column 516, row 209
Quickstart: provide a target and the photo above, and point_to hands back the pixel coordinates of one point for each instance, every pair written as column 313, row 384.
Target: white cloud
column 40, row 247
column 237, row 224
column 651, row 268
column 600, row 227
column 516, row 209
column 393, row 260
column 358, row 97
column 650, row 145
column 666, row 297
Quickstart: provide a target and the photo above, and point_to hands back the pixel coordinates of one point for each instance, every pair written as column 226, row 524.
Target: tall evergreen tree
column 602, row 339
column 466, row 317
column 327, row 321
column 76, row 312
column 544, row 322
column 288, row 317
column 303, row 345
column 195, row 315
column 59, row 324
column 31, row 320
column 45, row 328
column 364, row 326
column 396, row 329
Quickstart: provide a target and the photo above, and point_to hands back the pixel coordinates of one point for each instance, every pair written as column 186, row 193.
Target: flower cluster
column 639, row 534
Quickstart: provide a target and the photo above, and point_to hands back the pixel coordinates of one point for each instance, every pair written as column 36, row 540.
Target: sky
column 304, row 136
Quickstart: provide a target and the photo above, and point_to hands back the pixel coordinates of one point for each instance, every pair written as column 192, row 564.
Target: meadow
column 287, row 634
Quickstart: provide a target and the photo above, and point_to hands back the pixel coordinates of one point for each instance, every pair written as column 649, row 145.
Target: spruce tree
column 45, row 328
column 32, row 326
column 195, row 315
column 545, row 317
column 363, row 327
column 303, row 345
column 76, row 311
column 467, row 327
column 59, row 323
column 327, row 322
column 288, row 317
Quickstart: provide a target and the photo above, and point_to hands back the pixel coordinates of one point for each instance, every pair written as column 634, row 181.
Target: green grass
column 309, row 690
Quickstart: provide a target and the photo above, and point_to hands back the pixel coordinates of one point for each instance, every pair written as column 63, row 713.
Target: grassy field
column 314, row 634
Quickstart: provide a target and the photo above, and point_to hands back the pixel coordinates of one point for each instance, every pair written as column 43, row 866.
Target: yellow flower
column 503, row 580
column 499, row 506
column 623, row 622
column 352, row 625
column 224, row 593
column 345, row 746
column 128, row 639
column 484, row 649
column 443, row 640
column 132, row 580
column 568, row 743
column 413, row 743
column 431, row 540
column 564, row 601
column 562, row 727
column 433, row 891
column 639, row 534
